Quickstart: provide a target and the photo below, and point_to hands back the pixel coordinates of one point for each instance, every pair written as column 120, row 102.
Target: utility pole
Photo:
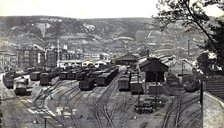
column 156, row 90
column 182, row 69
column 188, row 48
column 58, row 52
column 45, row 122
column 138, row 92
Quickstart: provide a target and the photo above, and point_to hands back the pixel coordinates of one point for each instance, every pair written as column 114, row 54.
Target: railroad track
column 123, row 108
column 193, row 121
column 178, row 107
column 14, row 123
column 185, row 120
column 22, row 101
column 43, row 96
column 174, row 108
column 92, row 104
column 65, row 95
column 102, row 102
column 77, row 98
column 182, row 118
column 60, row 98
column 68, row 98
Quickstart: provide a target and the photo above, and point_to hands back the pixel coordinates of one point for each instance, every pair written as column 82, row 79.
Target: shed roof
column 153, row 64
column 127, row 57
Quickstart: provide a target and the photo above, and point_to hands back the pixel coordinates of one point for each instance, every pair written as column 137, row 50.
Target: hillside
column 93, row 34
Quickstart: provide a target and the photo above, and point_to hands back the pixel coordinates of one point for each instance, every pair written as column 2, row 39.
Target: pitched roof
column 127, row 57
column 153, row 64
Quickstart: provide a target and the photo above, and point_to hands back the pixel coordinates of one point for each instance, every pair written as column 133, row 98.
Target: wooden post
column 138, row 91
column 45, row 122
column 156, row 90
column 182, row 70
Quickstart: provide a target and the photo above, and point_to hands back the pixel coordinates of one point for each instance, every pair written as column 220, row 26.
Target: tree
column 191, row 13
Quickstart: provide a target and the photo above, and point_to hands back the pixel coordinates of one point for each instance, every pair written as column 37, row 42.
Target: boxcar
column 20, row 86
column 68, row 68
column 57, row 70
column 136, row 85
column 80, row 76
column 94, row 74
column 103, row 79
column 71, row 75
column 30, row 70
column 8, row 78
column 87, row 84
column 136, row 88
column 11, row 74
column 35, row 76
column 124, row 84
column 45, row 79
column 8, row 81
column 172, row 80
column 63, row 75
column 114, row 71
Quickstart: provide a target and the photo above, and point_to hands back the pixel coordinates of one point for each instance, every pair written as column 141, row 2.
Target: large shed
column 127, row 59
column 153, row 67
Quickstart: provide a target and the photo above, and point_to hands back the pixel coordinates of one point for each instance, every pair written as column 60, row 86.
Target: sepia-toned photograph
column 111, row 63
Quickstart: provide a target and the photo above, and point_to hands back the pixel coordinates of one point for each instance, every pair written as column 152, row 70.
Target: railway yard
column 64, row 104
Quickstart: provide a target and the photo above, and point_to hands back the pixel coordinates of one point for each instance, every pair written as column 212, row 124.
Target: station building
column 127, row 59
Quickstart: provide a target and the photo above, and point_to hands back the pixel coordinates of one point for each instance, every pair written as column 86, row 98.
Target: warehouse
column 127, row 59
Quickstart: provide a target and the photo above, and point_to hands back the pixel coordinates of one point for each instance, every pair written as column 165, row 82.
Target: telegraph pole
column 156, row 90
column 58, row 52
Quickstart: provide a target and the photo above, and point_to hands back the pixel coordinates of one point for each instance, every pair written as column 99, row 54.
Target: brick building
column 30, row 57
column 7, row 60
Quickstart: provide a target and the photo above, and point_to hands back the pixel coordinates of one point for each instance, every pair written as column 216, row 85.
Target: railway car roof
column 36, row 72
column 21, row 80
column 104, row 75
column 63, row 72
column 123, row 79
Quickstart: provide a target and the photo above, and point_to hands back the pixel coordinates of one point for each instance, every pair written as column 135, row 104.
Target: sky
column 83, row 8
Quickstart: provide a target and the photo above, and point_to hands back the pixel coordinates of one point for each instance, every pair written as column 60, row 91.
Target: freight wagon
column 8, row 81
column 8, row 78
column 172, row 80
column 94, row 74
column 56, row 71
column 71, row 75
column 80, row 75
column 35, row 76
column 124, row 81
column 45, row 79
column 20, row 86
column 30, row 70
column 136, row 85
column 114, row 72
column 63, row 75
column 103, row 79
column 87, row 84
column 124, row 84
column 68, row 68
